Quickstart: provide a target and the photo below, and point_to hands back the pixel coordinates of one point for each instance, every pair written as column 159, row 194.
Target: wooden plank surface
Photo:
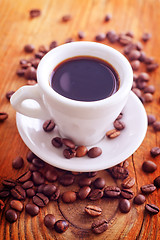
column 18, row 29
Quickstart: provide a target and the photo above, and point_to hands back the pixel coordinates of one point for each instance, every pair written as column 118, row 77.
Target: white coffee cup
column 86, row 123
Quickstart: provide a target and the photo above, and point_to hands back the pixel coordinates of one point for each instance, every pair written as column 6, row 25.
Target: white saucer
column 114, row 151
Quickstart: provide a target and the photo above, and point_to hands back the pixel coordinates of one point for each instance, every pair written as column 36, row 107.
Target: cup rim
column 121, row 92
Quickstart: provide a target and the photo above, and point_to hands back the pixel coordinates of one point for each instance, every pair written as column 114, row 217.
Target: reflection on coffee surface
column 85, row 78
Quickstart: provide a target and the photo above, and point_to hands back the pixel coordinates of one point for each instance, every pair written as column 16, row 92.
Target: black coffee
column 85, row 78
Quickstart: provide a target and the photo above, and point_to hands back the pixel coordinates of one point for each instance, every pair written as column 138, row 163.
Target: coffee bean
column 35, row 13
column 40, row 200
column 151, row 119
column 124, row 205
column 94, row 152
column 18, row 193
column 93, row 210
column 112, row 191
column 29, row 48
column 43, row 49
column 9, row 94
column 30, row 73
column 16, row 205
column 91, row 174
column 3, row 116
column 139, row 45
column 119, row 172
column 124, row 39
column 151, row 208
column 119, row 116
column 4, row 193
column 149, row 166
column 40, row 188
column 128, row 182
column 39, row 55
column 35, row 62
column 61, row 226
column 156, row 126
column 152, row 67
column 148, row 60
column 69, row 197
column 66, row 18
column 30, row 192
column 32, row 209
column 33, row 168
column 81, row 34
column 37, row 178
column 139, row 199
column 99, row 226
column 51, row 175
column 38, row 162
column 157, row 182
column 28, row 184
column 135, row 64
column 49, row 189
column 53, row 44
column 129, row 48
column 123, row 164
column 99, row 183
column 57, row 142
column 81, row 151
column 49, row 221
column 48, row 125
column 20, row 72
column 84, row 181
column 113, row 133
column 137, row 92
column 18, row 162
column 55, row 195
column 127, row 193
column 149, row 188
column 149, row 89
column 112, row 36
column 134, row 55
column 119, row 125
column 11, row 215
column 84, row 192
column 108, row 17
column 66, row 179
column 2, row 205
column 30, row 156
column 142, row 57
column 9, row 183
column 69, row 153
column 24, row 177
column 148, row 97
column 146, row 36
column 68, row 143
column 100, row 37
column 143, row 76
column 95, row 194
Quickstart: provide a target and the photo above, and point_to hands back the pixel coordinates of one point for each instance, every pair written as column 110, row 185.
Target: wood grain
column 16, row 30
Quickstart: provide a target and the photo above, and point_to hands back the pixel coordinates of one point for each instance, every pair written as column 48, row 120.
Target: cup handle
column 29, row 109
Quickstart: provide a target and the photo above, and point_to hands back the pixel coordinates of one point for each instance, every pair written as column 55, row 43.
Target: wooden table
column 18, row 29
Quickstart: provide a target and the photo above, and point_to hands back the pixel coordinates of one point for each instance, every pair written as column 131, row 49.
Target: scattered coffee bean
column 61, row 226
column 112, row 36
column 69, row 40
column 38, row 162
column 43, row 49
column 51, row 175
column 156, row 126
column 20, row 72
column 151, row 208
column 30, row 192
column 119, row 125
column 99, row 226
column 49, row 189
column 152, row 67
column 157, row 182
column 53, row 44
column 81, row 35
column 66, row 179
column 124, row 40
column 30, row 73
column 112, row 191
column 143, row 76
column 39, row 55
column 151, row 119
column 84, row 192
column 48, row 125
column 135, row 64
column 33, row 168
column 95, row 194
column 139, row 199
column 99, row 183
column 84, row 181
column 66, row 18
column 149, row 188
column 148, row 97
column 18, row 193
column 81, row 151
column 113, row 133
column 37, row 178
column 55, row 195
column 146, row 36
column 137, row 92
column 29, row 48
column 9, row 94
column 93, row 210
column 57, row 142
column 100, row 37
column 4, row 193
column 30, row 156
column 148, row 60
column 11, row 215
column 69, row 197
column 49, row 221
column 28, row 184
column 149, row 89
column 18, row 162
column 16, row 205
column 35, row 13
column 40, row 200
column 94, row 152
column 24, row 177
column 108, row 17
column 127, row 193
column 69, row 153
column 149, row 166
column 91, row 174
column 128, row 182
column 40, row 188
column 134, row 55
column 124, row 205
column 3, row 116
column 32, row 209
column 128, row 48
column 119, row 172
column 9, row 183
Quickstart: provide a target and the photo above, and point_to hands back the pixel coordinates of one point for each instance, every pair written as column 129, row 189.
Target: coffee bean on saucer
column 49, row 221
column 93, row 210
column 3, row 116
column 99, row 183
column 151, row 208
column 151, row 119
column 149, row 188
column 119, row 125
column 32, row 209
column 149, row 166
column 124, row 205
column 68, row 143
column 48, row 125
column 24, row 177
column 18, row 193
column 57, row 142
column 18, row 162
column 156, row 126
column 11, row 215
column 157, row 182
column 51, row 175
column 61, row 226
column 99, row 226
column 128, row 182
column 84, row 192
column 35, row 13
column 81, row 151
column 66, row 179
column 112, row 191
column 69, row 197
column 9, row 94
column 40, row 200
column 16, row 205
column 155, row 151
column 127, row 193
column 29, row 48
column 95, row 194
column 94, row 152
column 139, row 199
column 37, row 178
column 9, row 183
column 113, row 133
column 69, row 153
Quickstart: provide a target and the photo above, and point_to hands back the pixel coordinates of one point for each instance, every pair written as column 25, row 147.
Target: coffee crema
column 85, row 78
